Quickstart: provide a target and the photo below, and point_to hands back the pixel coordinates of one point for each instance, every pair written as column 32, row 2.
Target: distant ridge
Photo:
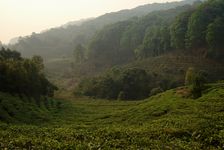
column 60, row 41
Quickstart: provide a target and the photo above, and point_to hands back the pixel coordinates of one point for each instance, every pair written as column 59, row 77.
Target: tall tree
column 199, row 21
column 179, row 30
column 38, row 60
column 215, row 38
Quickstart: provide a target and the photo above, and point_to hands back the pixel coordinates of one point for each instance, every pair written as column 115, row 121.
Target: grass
column 173, row 65
column 21, row 109
column 165, row 121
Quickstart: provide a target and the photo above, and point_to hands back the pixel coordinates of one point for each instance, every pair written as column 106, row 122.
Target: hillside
column 163, row 43
column 145, row 78
column 23, row 109
column 173, row 66
column 166, row 121
column 60, row 42
column 113, row 45
column 25, row 92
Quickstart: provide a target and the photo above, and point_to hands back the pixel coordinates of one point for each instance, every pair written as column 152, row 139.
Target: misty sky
column 22, row 17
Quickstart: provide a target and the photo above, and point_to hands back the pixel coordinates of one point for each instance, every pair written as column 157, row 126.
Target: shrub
column 198, row 81
column 121, row 95
column 155, row 91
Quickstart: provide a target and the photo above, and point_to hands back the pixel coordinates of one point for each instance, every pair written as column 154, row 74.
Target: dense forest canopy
column 163, row 31
column 194, row 29
column 135, row 38
column 117, row 84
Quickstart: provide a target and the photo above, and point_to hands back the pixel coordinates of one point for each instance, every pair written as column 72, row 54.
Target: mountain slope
column 60, row 42
column 173, row 66
column 157, row 34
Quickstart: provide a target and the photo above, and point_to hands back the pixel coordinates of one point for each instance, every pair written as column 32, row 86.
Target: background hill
column 174, row 28
column 165, row 57
column 60, row 42
column 191, row 38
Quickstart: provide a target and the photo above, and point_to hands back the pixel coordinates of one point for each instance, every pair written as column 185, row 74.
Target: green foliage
column 139, row 37
column 39, row 62
column 155, row 43
column 215, row 38
column 127, row 85
column 105, row 46
column 22, row 109
column 165, row 121
column 179, row 29
column 158, row 33
column 135, row 83
column 6, row 54
column 196, row 79
column 199, row 21
column 60, row 42
column 198, row 82
column 23, row 76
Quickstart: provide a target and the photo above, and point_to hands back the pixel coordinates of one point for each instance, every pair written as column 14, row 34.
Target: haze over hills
column 60, row 42
column 133, row 79
column 71, row 23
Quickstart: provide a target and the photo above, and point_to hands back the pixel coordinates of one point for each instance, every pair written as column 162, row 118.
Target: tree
column 198, row 85
column 105, row 47
column 79, row 53
column 129, row 84
column 165, row 39
column 196, row 80
column 38, row 60
column 23, row 76
column 135, row 83
column 215, row 38
column 199, row 21
column 156, row 42
column 179, row 29
column 9, row 54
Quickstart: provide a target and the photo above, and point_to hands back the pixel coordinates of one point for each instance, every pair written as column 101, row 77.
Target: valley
column 151, row 77
column 165, row 121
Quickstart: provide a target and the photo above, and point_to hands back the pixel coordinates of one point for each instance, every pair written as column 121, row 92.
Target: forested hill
column 194, row 29
column 60, row 42
column 165, row 43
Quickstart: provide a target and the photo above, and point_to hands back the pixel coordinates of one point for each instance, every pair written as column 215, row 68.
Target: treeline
column 124, row 84
column 201, row 28
column 60, row 42
column 23, row 76
column 138, row 37
column 196, row 28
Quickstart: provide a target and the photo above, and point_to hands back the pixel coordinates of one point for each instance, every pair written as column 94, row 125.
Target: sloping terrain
column 171, row 66
column 22, row 109
column 166, row 121
column 174, row 65
column 60, row 42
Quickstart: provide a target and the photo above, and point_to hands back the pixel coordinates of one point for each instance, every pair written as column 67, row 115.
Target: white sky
column 22, row 17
